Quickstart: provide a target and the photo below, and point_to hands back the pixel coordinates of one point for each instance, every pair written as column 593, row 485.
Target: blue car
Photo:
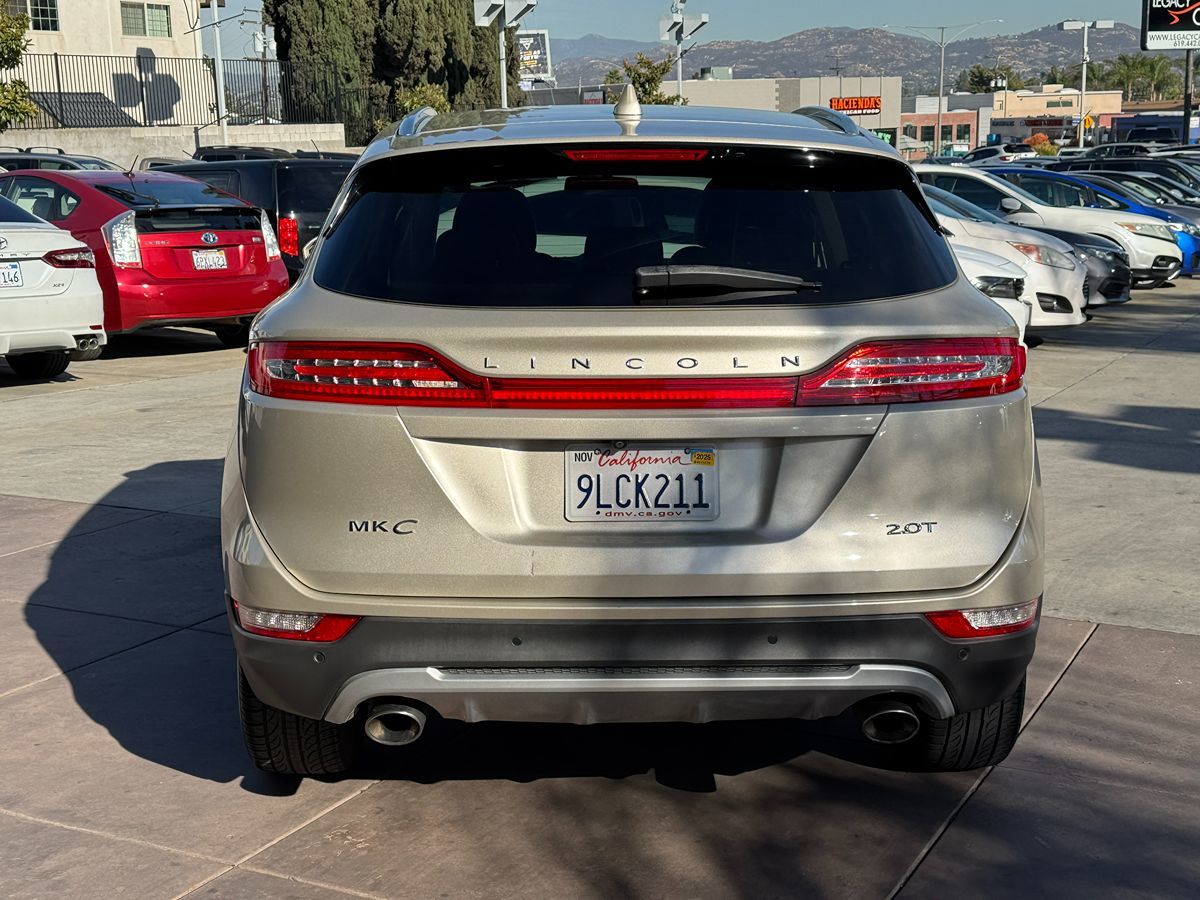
column 1064, row 189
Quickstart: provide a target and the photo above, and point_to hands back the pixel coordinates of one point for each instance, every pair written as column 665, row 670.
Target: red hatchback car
column 170, row 250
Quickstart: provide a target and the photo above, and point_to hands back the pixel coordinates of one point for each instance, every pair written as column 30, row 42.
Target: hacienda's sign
column 856, row 106
column 1170, row 24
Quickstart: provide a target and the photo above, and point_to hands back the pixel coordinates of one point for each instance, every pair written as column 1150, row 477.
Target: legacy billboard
column 1170, row 24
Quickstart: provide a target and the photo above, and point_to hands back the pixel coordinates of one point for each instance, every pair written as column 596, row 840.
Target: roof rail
column 415, row 121
column 831, row 119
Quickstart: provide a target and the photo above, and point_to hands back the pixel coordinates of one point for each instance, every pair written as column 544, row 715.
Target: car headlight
column 1000, row 287
column 1147, row 229
column 1047, row 256
column 1108, row 256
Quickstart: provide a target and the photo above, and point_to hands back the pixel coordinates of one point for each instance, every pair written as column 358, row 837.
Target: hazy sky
column 769, row 19
column 758, row 19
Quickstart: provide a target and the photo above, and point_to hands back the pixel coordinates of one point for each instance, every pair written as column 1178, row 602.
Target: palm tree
column 1161, row 76
column 1127, row 71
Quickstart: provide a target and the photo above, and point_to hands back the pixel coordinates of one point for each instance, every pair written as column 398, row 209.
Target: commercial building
column 161, row 28
column 966, row 121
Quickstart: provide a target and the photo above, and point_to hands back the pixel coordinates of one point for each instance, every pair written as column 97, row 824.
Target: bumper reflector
column 294, row 626
column 976, row 623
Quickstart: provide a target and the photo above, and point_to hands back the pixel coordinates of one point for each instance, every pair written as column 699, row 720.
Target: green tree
column 1127, row 72
column 1057, row 75
column 15, row 104
column 1161, row 76
column 328, row 44
column 646, row 75
column 978, row 79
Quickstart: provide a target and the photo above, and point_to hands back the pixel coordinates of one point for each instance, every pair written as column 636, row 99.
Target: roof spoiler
column 415, row 121
column 831, row 119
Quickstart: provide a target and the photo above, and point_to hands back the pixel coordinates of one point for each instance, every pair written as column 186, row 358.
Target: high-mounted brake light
column 915, row 371
column 977, row 623
column 121, row 238
column 289, row 235
column 74, row 258
column 638, row 154
column 294, row 626
column 270, row 244
column 412, row 375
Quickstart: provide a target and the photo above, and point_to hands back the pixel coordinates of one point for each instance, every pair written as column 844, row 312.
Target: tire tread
column 288, row 744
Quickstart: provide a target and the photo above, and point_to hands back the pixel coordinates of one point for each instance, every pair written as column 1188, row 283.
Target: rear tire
column 44, row 364
column 233, row 335
column 286, row 744
column 973, row 739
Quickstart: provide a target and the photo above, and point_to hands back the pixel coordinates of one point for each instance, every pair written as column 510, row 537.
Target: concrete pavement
column 124, row 772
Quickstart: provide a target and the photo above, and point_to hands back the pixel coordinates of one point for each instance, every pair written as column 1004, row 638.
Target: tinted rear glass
column 147, row 193
column 10, row 212
column 211, row 218
column 310, row 189
column 530, row 227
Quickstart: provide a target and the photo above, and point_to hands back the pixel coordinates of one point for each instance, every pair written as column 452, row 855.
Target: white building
column 161, row 28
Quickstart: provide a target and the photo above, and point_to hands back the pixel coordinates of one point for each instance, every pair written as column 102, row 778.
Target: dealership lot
column 117, row 692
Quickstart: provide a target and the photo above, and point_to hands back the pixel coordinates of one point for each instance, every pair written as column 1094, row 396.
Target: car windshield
column 147, row 193
column 963, row 209
column 1138, row 188
column 1172, row 187
column 544, row 226
column 10, row 213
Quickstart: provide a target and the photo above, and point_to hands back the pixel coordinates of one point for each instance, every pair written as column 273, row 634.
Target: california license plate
column 209, row 259
column 643, row 483
column 10, row 275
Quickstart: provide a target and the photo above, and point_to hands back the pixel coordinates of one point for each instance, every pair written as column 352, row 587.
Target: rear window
column 10, row 212
column 149, row 193
column 527, row 227
column 310, row 188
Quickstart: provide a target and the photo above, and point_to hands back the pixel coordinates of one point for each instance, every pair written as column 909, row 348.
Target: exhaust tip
column 889, row 723
column 394, row 724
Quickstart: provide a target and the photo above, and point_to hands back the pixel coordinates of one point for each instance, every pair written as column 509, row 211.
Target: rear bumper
column 634, row 671
column 30, row 324
column 145, row 302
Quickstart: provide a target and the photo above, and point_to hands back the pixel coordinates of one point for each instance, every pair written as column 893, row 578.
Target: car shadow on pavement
column 1159, row 438
column 161, row 342
column 154, row 591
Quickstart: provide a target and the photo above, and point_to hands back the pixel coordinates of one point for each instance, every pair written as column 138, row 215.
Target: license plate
column 641, row 483
column 209, row 259
column 10, row 275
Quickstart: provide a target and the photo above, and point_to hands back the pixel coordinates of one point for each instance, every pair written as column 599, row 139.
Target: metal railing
column 75, row 91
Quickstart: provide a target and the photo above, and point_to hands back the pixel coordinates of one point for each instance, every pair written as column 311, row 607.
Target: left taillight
column 294, row 626
column 75, row 258
column 289, row 235
column 268, row 234
column 121, row 238
column 412, row 375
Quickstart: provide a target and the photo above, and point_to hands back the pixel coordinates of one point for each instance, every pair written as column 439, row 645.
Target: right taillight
column 121, row 238
column 289, row 235
column 917, row 371
column 987, row 622
column 412, row 375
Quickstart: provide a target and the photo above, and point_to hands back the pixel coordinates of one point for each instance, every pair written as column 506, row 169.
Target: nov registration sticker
column 644, row 483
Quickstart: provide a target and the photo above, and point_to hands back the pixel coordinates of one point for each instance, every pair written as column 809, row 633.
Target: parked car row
column 210, row 245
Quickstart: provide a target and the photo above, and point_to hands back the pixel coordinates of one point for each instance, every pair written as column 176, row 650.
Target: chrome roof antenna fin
column 628, row 106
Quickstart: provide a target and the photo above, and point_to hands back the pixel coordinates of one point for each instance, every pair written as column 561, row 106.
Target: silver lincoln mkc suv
column 632, row 414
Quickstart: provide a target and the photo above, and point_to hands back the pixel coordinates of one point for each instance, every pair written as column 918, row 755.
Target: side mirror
column 1010, row 205
column 307, row 249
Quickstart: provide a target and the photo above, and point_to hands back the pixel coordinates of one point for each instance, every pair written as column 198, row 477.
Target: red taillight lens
column 989, row 622
column 638, row 154
column 915, row 371
column 289, row 236
column 293, row 626
column 71, row 259
column 411, row 375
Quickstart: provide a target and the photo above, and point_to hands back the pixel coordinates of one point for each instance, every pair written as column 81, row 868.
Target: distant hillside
column 860, row 51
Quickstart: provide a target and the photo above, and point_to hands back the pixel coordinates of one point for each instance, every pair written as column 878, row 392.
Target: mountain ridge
column 857, row 51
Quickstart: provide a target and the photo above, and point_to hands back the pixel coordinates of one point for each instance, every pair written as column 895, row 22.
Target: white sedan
column 51, row 306
column 1001, row 280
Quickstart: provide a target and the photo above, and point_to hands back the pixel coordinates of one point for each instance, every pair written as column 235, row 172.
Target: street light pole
column 507, row 13
column 942, row 42
column 1077, row 25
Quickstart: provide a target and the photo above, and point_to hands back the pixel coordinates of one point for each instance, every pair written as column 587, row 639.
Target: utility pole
column 836, row 69
column 1189, row 78
column 941, row 43
column 266, row 106
column 1076, row 25
column 677, row 27
column 219, row 69
column 507, row 13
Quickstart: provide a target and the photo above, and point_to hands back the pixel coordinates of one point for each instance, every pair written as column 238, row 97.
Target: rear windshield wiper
column 696, row 283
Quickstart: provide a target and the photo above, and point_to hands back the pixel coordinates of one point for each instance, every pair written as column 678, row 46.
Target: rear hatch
column 306, row 191
column 535, row 372
column 202, row 242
